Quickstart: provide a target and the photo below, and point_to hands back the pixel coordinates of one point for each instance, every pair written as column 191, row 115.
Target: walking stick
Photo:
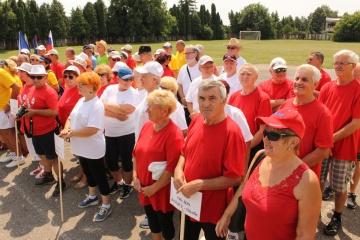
column 182, row 226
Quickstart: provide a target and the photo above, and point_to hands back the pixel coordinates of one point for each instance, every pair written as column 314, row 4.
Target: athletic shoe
column 328, row 192
column 102, row 214
column 333, row 227
column 8, row 158
column 232, row 236
column 351, row 201
column 144, row 223
column 15, row 160
column 88, row 202
column 35, row 159
column 41, row 174
column 56, row 191
column 36, row 171
column 45, row 180
column 126, row 190
column 115, row 188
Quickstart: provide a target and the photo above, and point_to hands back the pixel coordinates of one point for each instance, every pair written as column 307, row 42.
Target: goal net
column 250, row 35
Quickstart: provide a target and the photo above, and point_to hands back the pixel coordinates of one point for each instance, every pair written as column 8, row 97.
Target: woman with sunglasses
column 51, row 77
column 105, row 74
column 282, row 195
column 120, row 101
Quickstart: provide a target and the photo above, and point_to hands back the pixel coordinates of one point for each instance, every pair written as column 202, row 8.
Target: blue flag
column 35, row 42
column 22, row 42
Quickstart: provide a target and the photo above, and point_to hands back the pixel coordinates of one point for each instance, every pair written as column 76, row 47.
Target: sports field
column 294, row 52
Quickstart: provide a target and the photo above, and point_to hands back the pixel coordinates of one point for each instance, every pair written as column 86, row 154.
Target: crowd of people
column 142, row 118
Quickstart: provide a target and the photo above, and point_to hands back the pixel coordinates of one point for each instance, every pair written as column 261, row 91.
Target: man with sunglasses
column 342, row 97
column 279, row 87
column 318, row 139
column 317, row 59
column 42, row 108
column 233, row 47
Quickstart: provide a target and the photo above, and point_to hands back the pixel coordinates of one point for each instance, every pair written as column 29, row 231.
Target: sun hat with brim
column 204, row 59
column 234, row 42
column 41, row 47
column 125, row 73
column 136, row 57
column 26, row 67
column 80, row 61
column 151, row 67
column 277, row 63
column 37, row 70
column 72, row 69
column 127, row 47
column 44, row 59
column 102, row 43
column 285, row 118
column 52, row 52
column 114, row 54
column 117, row 66
column 25, row 51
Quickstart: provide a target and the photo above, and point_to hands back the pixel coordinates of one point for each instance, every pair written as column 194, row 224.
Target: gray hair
column 350, row 54
column 316, row 73
column 248, row 65
column 200, row 48
column 194, row 49
column 207, row 84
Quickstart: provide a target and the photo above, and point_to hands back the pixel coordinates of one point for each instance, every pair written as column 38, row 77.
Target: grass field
column 294, row 52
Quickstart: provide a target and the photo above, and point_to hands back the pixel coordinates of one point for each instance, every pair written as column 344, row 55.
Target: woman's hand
column 179, row 178
column 137, row 184
column 65, row 133
column 148, row 191
column 222, row 225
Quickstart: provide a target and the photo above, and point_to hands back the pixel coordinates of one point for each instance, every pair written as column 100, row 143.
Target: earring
column 91, row 92
column 289, row 149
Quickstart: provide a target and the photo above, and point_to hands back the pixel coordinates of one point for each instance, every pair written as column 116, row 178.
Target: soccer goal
column 250, row 35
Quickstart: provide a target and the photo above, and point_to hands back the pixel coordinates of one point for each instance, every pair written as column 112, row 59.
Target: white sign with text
column 190, row 206
column 14, row 106
column 59, row 146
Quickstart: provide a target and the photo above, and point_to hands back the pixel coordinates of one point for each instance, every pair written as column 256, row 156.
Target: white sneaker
column 15, row 160
column 41, row 174
column 8, row 158
column 36, row 171
column 35, row 159
column 232, row 236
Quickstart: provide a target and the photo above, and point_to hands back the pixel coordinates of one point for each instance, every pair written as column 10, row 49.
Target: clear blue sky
column 284, row 7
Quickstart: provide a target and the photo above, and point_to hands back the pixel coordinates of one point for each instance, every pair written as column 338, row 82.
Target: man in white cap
column 25, row 51
column 230, row 75
column 174, row 64
column 206, row 67
column 80, row 63
column 129, row 61
column 42, row 108
column 56, row 66
column 279, row 87
column 41, row 50
column 90, row 53
column 233, row 47
column 113, row 57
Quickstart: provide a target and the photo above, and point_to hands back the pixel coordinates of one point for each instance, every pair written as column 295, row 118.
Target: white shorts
column 6, row 120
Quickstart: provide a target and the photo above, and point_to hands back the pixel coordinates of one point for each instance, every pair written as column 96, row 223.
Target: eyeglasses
column 341, row 64
column 32, row 59
column 36, row 77
column 232, row 48
column 273, row 136
column 188, row 53
column 71, row 77
column 102, row 74
column 116, row 59
column 81, row 84
column 309, row 59
column 280, row 70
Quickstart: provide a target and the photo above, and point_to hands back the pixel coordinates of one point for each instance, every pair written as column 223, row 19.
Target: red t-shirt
column 67, row 103
column 130, row 62
column 255, row 104
column 319, row 128
column 212, row 151
column 284, row 90
column 164, row 145
column 344, row 105
column 58, row 69
column 22, row 100
column 42, row 98
column 325, row 78
column 168, row 72
column 274, row 208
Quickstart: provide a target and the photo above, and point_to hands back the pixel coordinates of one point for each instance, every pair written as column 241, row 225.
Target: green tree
column 43, row 21
column 196, row 25
column 79, row 27
column 317, row 20
column 329, row 12
column 101, row 13
column 8, row 25
column 348, row 29
column 207, row 33
column 90, row 16
column 57, row 20
column 33, row 11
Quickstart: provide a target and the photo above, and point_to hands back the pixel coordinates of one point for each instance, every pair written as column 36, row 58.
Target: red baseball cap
column 285, row 118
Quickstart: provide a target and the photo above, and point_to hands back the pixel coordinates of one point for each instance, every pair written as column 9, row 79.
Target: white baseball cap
column 52, row 51
column 204, row 59
column 151, row 67
column 118, row 65
column 72, row 68
column 41, row 47
column 278, row 63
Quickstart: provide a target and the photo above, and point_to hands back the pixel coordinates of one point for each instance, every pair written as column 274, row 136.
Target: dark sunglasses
column 273, row 136
column 36, row 77
column 102, row 74
column 280, row 70
column 71, row 77
column 232, row 48
column 116, row 59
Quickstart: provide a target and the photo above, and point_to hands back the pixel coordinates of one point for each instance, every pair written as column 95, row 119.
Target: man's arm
column 316, row 156
column 347, row 130
column 14, row 93
column 258, row 136
column 120, row 117
column 42, row 112
column 275, row 103
column 123, row 109
column 182, row 95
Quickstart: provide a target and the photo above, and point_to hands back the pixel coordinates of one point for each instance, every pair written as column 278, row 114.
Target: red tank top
column 272, row 212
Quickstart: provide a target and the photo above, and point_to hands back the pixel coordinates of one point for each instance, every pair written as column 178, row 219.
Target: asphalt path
column 30, row 212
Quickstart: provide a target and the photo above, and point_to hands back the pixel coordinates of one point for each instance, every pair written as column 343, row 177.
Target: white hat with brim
column 37, row 70
column 72, row 69
column 83, row 56
column 114, row 54
column 41, row 47
column 160, row 50
column 127, row 47
column 25, row 51
column 118, row 65
column 52, row 52
column 79, row 61
column 151, row 67
column 136, row 57
column 26, row 67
